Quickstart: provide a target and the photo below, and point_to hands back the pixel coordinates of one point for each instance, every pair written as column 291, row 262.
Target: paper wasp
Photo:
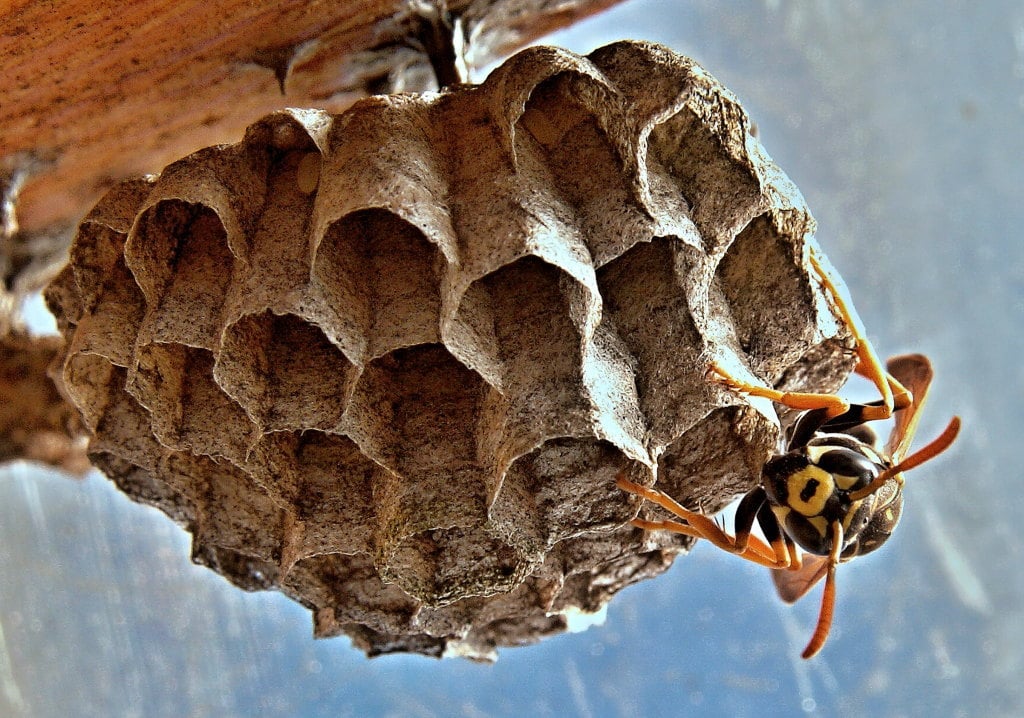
column 831, row 491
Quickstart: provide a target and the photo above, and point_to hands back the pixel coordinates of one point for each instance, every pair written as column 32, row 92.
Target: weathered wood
column 93, row 92
column 36, row 424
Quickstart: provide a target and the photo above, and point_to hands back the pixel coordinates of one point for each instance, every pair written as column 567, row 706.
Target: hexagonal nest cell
column 390, row 362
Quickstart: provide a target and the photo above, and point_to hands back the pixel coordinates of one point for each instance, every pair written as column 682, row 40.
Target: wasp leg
column 832, row 404
column 901, row 396
column 700, row 526
column 894, row 395
column 674, row 526
column 785, row 549
column 755, row 552
column 828, row 597
column 754, row 506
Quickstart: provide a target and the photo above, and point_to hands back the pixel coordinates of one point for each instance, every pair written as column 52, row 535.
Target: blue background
column 902, row 125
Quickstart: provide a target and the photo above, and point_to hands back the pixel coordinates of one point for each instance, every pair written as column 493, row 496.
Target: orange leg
column 700, row 526
column 894, row 395
column 835, row 405
column 868, row 365
column 780, row 555
column 901, row 396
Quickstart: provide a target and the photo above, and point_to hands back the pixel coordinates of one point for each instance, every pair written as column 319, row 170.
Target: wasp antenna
column 828, row 605
column 828, row 597
column 926, row 453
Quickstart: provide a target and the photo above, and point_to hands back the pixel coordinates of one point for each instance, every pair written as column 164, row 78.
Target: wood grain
column 94, row 92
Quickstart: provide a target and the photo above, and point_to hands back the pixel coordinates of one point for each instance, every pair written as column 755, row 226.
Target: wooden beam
column 93, row 92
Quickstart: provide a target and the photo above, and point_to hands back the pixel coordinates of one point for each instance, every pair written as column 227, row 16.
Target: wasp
column 831, row 491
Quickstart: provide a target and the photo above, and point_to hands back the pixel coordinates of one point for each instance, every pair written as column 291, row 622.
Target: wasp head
column 810, row 488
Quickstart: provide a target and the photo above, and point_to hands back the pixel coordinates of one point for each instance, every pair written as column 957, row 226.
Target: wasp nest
column 390, row 362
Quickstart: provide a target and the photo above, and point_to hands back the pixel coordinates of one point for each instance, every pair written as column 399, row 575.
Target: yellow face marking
column 808, row 489
column 819, row 523
column 844, row 482
column 850, row 514
column 781, row 513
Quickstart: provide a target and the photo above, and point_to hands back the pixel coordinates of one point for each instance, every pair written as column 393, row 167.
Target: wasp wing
column 792, row 585
column 914, row 372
